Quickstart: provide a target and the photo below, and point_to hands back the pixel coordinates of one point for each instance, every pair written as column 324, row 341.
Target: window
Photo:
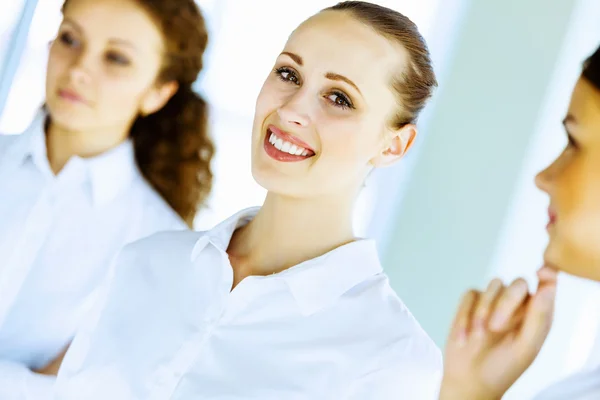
column 26, row 93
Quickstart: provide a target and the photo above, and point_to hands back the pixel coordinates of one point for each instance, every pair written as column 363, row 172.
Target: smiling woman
column 281, row 301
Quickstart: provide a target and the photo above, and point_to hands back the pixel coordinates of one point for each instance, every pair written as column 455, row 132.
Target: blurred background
column 462, row 207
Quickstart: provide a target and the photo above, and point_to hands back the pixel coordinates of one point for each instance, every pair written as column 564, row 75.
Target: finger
column 537, row 321
column 547, row 275
column 461, row 324
column 513, row 300
column 485, row 305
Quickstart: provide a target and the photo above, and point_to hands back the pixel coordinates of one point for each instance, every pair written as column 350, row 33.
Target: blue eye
column 287, row 75
column 339, row 99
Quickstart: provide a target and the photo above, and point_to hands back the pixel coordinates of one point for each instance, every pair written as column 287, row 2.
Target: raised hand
column 495, row 337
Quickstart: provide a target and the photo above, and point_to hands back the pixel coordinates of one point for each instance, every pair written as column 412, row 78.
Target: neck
column 63, row 143
column 287, row 231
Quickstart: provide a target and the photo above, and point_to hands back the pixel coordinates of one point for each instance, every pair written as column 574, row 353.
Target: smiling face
column 103, row 66
column 323, row 116
column 573, row 184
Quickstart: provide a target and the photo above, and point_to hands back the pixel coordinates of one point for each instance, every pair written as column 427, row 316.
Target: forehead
column 122, row 20
column 337, row 42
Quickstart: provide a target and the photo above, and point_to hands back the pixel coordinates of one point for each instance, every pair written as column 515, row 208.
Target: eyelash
column 67, row 39
column 346, row 103
column 112, row 57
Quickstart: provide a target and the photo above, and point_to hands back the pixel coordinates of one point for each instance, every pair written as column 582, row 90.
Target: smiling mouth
column 279, row 146
column 287, row 147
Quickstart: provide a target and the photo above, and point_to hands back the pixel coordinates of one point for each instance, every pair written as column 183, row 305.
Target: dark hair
column 591, row 69
column 173, row 149
column 415, row 85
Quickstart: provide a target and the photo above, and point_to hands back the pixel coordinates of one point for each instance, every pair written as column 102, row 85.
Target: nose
column 79, row 71
column 543, row 180
column 295, row 110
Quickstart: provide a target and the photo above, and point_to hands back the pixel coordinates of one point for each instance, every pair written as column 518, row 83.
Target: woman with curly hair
column 120, row 151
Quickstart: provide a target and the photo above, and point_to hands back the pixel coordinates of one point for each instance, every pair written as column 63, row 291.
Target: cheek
column 576, row 243
column 57, row 65
column 346, row 145
column 268, row 100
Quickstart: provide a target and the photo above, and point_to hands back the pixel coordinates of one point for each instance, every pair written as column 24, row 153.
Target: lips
column 551, row 217
column 70, row 95
column 284, row 147
column 287, row 137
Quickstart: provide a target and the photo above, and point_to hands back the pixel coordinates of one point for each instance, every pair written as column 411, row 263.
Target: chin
column 572, row 261
column 67, row 119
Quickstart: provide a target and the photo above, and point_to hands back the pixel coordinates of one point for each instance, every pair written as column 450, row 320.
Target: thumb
column 538, row 320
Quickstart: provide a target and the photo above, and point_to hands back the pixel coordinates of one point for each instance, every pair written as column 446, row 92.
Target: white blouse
column 172, row 328
column 58, row 237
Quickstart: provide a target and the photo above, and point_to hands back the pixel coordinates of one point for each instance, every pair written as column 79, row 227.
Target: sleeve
column 79, row 347
column 18, row 382
column 412, row 375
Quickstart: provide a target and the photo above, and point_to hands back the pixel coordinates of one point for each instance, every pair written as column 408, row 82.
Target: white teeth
column 278, row 144
column 287, row 147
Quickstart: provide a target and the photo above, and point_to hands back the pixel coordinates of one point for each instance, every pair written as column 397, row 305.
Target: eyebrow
column 79, row 29
column 337, row 77
column 294, row 57
column 330, row 75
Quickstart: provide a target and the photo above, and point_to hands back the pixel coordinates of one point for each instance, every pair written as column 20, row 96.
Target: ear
column 157, row 97
column 397, row 144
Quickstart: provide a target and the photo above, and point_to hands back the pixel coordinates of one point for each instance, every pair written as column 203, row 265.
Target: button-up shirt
column 171, row 327
column 59, row 234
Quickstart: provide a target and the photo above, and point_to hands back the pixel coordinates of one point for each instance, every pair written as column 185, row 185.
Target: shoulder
column 402, row 343
column 153, row 267
column 10, row 143
column 165, row 247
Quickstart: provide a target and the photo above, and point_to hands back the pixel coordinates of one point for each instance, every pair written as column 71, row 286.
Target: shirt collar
column 111, row 172
column 315, row 283
column 108, row 173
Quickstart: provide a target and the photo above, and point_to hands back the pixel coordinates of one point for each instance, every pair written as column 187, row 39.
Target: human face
column 329, row 102
column 103, row 66
column 573, row 183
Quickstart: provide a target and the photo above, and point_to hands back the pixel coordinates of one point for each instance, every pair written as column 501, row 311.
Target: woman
column 498, row 333
column 120, row 152
column 281, row 302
